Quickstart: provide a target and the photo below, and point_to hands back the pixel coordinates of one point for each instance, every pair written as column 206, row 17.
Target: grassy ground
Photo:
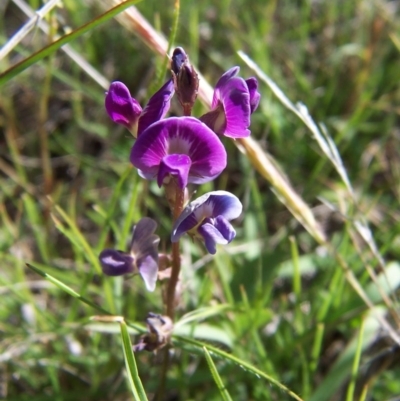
column 280, row 306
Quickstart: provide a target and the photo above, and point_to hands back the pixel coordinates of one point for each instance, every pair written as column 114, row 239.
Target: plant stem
column 170, row 301
column 176, row 258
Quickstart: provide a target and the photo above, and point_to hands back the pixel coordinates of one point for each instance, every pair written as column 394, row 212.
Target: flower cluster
column 178, row 151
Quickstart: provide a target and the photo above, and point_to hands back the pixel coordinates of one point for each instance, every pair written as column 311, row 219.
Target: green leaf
column 67, row 289
column 217, row 378
column 133, row 374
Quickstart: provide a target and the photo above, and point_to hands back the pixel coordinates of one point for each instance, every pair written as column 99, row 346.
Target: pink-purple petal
column 225, row 78
column 157, row 107
column 235, row 99
column 120, row 106
column 180, row 135
column 176, row 165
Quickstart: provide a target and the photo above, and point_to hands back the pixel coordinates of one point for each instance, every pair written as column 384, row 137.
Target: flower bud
column 186, row 80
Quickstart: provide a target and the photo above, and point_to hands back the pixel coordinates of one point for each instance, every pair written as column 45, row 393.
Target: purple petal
column 176, row 165
column 210, row 205
column 121, row 107
column 157, row 107
column 232, row 72
column 144, row 247
column 235, row 99
column 212, row 237
column 148, row 269
column 142, row 234
column 215, row 119
column 225, row 204
column 180, row 135
column 252, row 85
column 116, row 263
column 225, row 228
column 186, row 222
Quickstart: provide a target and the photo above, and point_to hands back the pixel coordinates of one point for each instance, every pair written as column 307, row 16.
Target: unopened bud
column 185, row 78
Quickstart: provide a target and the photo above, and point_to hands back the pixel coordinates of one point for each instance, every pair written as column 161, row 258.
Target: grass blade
column 46, row 51
column 217, row 378
column 199, row 346
column 67, row 289
column 356, row 363
column 133, row 374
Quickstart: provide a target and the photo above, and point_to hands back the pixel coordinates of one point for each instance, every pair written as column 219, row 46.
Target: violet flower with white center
column 234, row 100
column 208, row 218
column 124, row 109
column 179, row 147
column 142, row 257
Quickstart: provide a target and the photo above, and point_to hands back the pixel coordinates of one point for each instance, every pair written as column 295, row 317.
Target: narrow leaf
column 133, row 374
column 46, row 51
column 217, row 378
column 198, row 346
column 67, row 289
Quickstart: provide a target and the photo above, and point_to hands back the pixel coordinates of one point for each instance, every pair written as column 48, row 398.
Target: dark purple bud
column 121, row 107
column 186, row 80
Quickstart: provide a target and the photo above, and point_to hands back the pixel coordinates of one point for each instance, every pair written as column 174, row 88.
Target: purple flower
column 142, row 258
column 124, row 109
column 208, row 218
column 181, row 147
column 233, row 102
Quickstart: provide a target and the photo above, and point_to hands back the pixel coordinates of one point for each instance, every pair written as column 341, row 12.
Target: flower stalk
column 179, row 152
column 176, row 257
